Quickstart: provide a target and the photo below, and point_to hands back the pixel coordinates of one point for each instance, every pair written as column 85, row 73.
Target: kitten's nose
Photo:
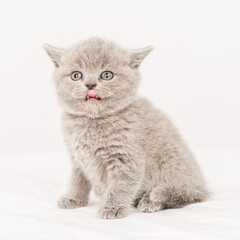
column 90, row 86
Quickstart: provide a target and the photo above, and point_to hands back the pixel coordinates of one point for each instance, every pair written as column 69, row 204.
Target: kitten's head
column 95, row 77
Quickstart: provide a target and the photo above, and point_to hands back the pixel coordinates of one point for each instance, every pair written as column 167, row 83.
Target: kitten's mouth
column 92, row 95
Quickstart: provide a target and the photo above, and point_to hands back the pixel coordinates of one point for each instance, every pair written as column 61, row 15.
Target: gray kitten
column 120, row 145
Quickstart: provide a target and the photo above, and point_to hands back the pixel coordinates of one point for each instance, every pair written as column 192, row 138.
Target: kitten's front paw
column 111, row 212
column 68, row 203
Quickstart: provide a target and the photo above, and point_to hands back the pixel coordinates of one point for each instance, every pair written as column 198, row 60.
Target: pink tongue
column 92, row 94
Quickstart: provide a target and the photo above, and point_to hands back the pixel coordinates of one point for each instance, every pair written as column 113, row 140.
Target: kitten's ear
column 54, row 53
column 137, row 56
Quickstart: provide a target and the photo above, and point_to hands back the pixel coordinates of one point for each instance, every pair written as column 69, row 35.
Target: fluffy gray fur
column 121, row 146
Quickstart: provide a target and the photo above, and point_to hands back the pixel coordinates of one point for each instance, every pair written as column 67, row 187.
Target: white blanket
column 31, row 184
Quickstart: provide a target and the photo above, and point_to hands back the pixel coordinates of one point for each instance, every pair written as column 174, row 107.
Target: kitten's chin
column 94, row 108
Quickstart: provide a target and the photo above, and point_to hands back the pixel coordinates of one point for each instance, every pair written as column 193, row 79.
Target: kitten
column 120, row 145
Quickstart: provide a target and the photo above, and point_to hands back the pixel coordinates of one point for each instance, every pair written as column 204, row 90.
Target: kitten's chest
column 94, row 141
column 87, row 136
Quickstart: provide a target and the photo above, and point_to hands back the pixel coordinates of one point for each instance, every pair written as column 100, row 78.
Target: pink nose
column 92, row 94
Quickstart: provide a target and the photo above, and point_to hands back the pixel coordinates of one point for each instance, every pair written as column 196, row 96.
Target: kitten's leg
column 177, row 196
column 180, row 183
column 124, row 182
column 145, row 204
column 169, row 197
column 78, row 192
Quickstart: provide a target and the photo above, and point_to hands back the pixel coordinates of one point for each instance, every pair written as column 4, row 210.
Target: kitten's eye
column 107, row 75
column 76, row 76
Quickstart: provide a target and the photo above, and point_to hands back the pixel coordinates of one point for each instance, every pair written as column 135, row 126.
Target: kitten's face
column 96, row 78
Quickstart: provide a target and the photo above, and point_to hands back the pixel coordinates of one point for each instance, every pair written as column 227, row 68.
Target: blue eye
column 76, row 76
column 107, row 75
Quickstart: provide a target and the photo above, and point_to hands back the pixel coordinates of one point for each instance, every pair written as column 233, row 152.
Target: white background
column 193, row 75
